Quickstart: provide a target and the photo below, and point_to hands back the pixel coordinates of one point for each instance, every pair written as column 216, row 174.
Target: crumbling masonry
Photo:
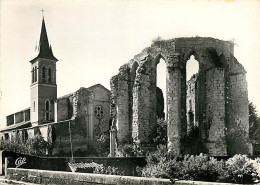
column 220, row 102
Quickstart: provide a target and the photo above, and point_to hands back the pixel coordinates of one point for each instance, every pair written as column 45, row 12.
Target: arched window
column 161, row 91
column 35, row 73
column 49, row 74
column 43, row 74
column 47, row 105
column 47, row 110
column 192, row 74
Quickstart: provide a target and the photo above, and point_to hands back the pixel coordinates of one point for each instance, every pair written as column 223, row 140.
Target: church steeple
column 43, row 86
column 45, row 50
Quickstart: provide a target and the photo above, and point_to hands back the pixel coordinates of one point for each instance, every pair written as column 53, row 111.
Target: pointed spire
column 44, row 43
column 45, row 50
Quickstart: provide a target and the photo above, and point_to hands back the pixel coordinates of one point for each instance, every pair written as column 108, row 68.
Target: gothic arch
column 133, row 69
column 189, row 53
column 159, row 56
column 220, row 76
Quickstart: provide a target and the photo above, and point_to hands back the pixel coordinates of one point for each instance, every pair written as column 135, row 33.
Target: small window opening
column 35, row 74
column 47, row 110
column 49, row 75
column 43, row 74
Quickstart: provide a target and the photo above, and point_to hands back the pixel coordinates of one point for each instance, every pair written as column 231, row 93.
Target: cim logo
column 20, row 161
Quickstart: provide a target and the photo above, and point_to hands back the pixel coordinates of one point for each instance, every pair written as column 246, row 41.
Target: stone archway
column 222, row 96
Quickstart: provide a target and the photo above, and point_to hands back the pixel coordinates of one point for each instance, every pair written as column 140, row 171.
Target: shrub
column 256, row 165
column 157, row 39
column 161, row 163
column 99, row 148
column 164, row 164
column 160, row 131
column 238, row 169
column 126, row 150
column 101, row 169
column 34, row 146
column 161, row 170
column 200, row 167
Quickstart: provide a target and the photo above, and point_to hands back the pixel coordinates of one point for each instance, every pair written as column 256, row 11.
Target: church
column 73, row 123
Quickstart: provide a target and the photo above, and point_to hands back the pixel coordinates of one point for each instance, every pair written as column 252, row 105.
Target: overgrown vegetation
column 254, row 128
column 32, row 146
column 164, row 164
column 127, row 150
column 159, row 137
column 160, row 132
column 109, row 170
column 99, row 148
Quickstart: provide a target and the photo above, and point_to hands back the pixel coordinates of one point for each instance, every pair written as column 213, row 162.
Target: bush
column 161, row 170
column 99, row 148
column 33, row 146
column 238, row 169
column 161, row 163
column 200, row 167
column 126, row 150
column 256, row 165
column 161, row 154
column 160, row 131
column 101, row 169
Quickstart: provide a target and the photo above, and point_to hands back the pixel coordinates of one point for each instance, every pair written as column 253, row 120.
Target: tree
column 254, row 122
column 254, row 128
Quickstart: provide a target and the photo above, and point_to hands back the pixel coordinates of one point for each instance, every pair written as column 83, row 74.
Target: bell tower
column 43, row 82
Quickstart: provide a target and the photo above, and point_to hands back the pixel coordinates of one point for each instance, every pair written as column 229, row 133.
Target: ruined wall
column 143, row 95
column 214, row 112
column 64, row 107
column 89, row 124
column 238, row 128
column 99, row 108
column 120, row 95
column 60, row 132
column 61, row 145
column 174, row 109
column 133, row 100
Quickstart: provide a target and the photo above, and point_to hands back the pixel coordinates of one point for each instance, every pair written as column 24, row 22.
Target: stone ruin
column 214, row 102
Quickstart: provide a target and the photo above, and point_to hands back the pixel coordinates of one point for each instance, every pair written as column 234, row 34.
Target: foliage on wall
column 32, row 146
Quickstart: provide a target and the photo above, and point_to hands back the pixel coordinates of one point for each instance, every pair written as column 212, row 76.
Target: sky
column 92, row 39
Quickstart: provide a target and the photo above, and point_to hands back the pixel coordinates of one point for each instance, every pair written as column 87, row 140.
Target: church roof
column 45, row 50
column 91, row 88
column 97, row 85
